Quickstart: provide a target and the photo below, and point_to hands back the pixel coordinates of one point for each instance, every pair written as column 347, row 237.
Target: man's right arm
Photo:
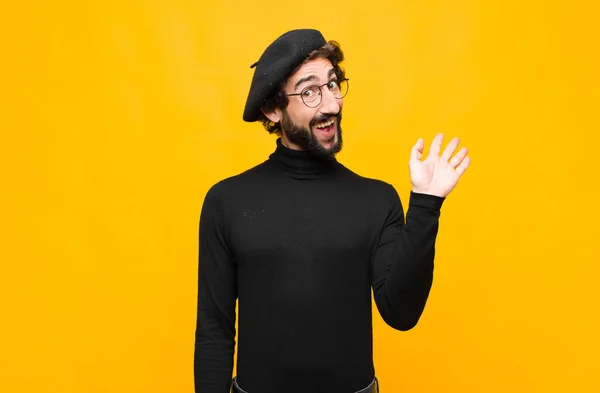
column 217, row 294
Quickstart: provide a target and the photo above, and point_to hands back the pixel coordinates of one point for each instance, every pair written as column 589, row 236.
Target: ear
column 274, row 115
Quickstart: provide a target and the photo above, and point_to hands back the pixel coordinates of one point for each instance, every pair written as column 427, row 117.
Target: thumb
column 417, row 150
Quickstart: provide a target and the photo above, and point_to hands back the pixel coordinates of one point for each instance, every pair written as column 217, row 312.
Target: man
column 300, row 240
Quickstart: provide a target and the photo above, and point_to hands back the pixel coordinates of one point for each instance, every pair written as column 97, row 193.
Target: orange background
column 117, row 118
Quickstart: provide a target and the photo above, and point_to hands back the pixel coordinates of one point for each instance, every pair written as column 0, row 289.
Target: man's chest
column 309, row 226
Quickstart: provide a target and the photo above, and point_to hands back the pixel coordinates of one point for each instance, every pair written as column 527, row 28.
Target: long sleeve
column 217, row 294
column 404, row 259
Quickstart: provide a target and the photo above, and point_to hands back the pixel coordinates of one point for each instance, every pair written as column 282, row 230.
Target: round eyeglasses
column 312, row 95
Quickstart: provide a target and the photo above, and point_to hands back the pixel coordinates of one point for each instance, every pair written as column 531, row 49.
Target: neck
column 301, row 164
column 289, row 144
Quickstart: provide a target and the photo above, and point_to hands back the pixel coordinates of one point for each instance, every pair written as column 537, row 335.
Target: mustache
column 324, row 118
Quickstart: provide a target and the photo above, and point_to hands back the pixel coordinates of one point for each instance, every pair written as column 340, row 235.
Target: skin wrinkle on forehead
column 313, row 77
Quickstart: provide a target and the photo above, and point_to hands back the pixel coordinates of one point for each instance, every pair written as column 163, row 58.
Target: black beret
column 277, row 61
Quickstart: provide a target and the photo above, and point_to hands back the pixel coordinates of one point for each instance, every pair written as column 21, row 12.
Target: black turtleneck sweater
column 300, row 242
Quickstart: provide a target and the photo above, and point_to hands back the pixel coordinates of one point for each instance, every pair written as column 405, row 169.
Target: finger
column 417, row 150
column 449, row 150
column 457, row 159
column 436, row 144
column 463, row 166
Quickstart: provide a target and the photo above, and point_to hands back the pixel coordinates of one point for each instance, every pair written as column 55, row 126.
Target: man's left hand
column 437, row 175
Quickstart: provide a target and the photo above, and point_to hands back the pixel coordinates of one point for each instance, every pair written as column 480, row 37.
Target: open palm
column 437, row 175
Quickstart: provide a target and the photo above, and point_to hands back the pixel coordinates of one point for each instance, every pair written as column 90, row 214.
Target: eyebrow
column 312, row 78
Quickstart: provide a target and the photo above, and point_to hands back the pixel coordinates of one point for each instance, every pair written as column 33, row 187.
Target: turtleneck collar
column 301, row 164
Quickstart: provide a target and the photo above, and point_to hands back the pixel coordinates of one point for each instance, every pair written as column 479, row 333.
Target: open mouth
column 326, row 127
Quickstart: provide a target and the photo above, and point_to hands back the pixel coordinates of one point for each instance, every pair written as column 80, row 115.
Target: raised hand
column 437, row 175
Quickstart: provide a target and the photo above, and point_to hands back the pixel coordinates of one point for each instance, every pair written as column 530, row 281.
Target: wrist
column 426, row 192
column 425, row 199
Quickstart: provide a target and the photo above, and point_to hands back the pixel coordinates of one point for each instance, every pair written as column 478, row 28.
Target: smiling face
column 315, row 129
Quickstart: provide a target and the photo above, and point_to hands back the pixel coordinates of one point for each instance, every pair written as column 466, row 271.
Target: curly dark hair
column 278, row 99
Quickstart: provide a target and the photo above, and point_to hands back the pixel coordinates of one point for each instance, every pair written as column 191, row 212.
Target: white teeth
column 323, row 125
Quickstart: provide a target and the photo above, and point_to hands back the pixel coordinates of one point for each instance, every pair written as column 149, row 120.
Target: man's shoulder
column 373, row 185
column 233, row 184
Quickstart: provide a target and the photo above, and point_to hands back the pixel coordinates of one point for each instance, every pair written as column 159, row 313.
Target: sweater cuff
column 426, row 200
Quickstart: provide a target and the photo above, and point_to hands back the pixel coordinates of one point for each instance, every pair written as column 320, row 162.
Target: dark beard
column 307, row 140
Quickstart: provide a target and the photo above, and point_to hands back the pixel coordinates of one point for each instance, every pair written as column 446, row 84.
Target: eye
column 332, row 85
column 310, row 92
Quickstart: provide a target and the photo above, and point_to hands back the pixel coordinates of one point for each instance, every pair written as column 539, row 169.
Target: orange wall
column 116, row 119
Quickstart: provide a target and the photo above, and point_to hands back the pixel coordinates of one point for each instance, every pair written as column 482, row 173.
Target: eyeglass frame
column 321, row 91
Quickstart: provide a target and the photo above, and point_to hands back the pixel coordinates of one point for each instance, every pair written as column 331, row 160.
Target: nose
column 330, row 104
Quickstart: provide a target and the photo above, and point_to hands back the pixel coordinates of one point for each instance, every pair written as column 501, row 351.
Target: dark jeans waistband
column 372, row 388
